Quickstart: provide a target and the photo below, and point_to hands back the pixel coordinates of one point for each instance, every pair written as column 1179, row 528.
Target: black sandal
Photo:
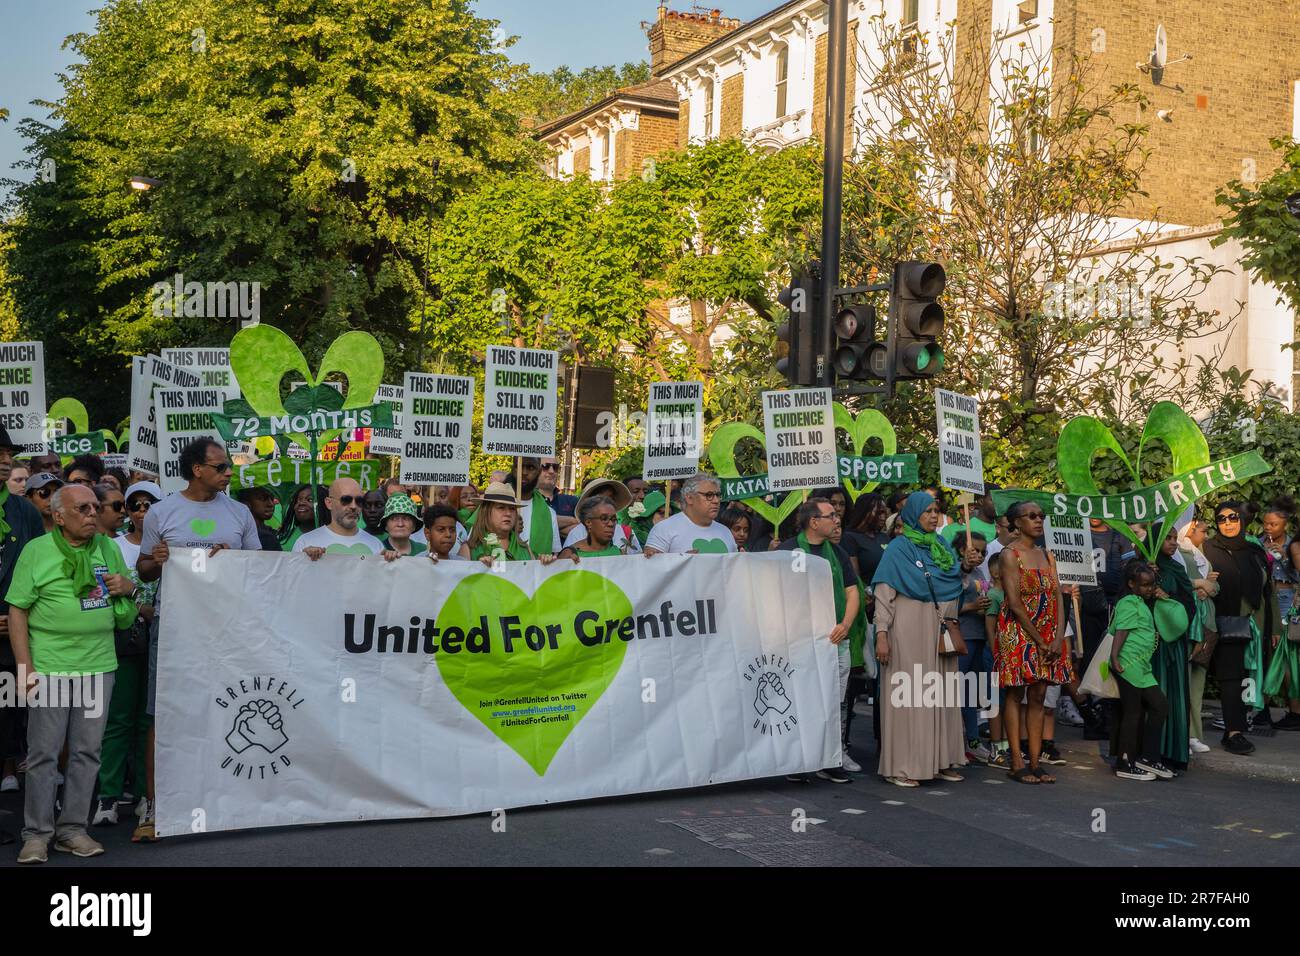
column 1024, row 775
column 1042, row 775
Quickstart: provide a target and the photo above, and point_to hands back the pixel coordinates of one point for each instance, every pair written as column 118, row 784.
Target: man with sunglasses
column 563, row 505
column 694, row 529
column 341, row 535
column 199, row 517
column 541, row 526
column 20, row 522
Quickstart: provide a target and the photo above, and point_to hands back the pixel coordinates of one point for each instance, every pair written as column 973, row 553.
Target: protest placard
column 519, row 401
column 183, row 414
column 437, row 428
column 799, row 431
column 388, row 441
column 1069, row 538
column 961, row 462
column 211, row 365
column 148, row 374
column 674, row 430
column 22, row 394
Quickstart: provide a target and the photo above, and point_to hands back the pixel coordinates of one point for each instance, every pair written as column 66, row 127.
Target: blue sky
column 575, row 32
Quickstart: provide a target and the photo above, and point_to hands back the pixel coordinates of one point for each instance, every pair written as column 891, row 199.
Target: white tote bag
column 1097, row 678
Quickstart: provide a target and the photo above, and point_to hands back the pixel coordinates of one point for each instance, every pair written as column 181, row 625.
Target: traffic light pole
column 832, row 185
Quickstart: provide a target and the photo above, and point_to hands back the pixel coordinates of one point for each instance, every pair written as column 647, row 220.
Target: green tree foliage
column 1259, row 219
column 543, row 97
column 303, row 145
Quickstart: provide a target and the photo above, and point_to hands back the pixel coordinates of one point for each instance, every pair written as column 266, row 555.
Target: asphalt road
column 1206, row 818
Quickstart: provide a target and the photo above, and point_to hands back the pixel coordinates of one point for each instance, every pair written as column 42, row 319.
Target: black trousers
column 1229, row 666
column 1142, row 718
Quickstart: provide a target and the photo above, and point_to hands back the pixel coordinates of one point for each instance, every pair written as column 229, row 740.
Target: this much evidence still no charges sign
column 519, row 401
column 961, row 461
column 799, row 430
column 437, row 428
column 22, row 394
column 673, row 430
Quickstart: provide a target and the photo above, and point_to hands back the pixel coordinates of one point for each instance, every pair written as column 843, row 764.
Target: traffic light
column 915, row 321
column 798, row 331
column 859, row 356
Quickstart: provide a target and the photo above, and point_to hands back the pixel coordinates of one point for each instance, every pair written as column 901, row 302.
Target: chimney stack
column 675, row 35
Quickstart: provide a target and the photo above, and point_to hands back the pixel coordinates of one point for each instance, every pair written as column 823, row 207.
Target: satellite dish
column 1159, row 55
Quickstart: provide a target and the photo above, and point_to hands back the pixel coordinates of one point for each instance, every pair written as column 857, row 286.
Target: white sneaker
column 1067, row 712
column 105, row 814
column 1196, row 747
column 851, row 765
column 142, row 808
column 9, row 784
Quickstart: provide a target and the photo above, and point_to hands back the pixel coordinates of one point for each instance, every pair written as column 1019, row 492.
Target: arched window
column 782, row 80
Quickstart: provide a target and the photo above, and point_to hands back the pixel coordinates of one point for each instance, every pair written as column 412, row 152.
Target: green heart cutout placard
column 72, row 410
column 722, row 455
column 569, row 674
column 261, row 355
column 203, row 527
column 861, row 428
column 1083, row 437
column 117, row 441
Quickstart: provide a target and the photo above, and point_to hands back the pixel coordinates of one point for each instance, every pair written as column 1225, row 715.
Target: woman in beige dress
column 920, row 722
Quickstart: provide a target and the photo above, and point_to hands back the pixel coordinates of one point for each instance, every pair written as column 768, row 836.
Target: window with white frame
column 782, row 80
column 708, row 108
column 1028, row 11
column 604, row 153
column 911, row 14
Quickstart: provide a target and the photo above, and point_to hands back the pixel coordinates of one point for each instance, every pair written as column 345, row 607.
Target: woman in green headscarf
column 1170, row 662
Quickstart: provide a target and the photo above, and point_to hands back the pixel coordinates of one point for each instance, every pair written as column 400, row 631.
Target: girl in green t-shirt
column 1143, row 707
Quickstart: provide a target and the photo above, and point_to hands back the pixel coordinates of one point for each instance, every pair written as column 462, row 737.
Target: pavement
column 1226, row 810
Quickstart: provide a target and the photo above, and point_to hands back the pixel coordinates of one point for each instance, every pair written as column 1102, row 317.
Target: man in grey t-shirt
column 200, row 516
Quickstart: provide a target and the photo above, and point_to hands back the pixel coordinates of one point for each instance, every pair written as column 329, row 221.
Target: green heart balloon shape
column 478, row 680
column 722, row 455
column 867, row 424
column 1082, row 438
column 261, row 355
column 117, row 441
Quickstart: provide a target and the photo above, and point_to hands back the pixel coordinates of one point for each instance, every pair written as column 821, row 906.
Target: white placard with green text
column 388, row 441
column 519, row 401
column 149, row 374
column 799, row 431
column 437, row 428
column 211, row 365
column 183, row 414
column 961, row 462
column 673, row 430
column 22, row 394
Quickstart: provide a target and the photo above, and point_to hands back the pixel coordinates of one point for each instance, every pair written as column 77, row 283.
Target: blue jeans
column 975, row 662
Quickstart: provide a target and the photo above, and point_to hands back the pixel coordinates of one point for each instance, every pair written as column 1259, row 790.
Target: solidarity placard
column 437, row 425
column 799, row 430
column 211, row 365
column 183, row 415
column 674, row 429
column 961, row 462
column 22, row 394
column 519, row 401
column 388, row 441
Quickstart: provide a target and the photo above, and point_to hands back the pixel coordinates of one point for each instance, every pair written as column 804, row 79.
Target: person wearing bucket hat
column 493, row 536
column 621, row 497
column 400, row 519
column 1143, row 706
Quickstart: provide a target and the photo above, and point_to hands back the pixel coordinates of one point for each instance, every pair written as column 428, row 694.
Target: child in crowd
column 737, row 523
column 1000, row 757
column 970, row 618
column 440, row 533
column 1143, row 706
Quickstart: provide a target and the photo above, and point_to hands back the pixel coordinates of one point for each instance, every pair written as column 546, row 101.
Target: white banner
column 1069, row 538
column 388, row 441
column 437, row 428
column 22, row 394
column 519, row 401
column 674, row 429
column 799, row 431
column 183, row 415
column 354, row 689
column 211, row 365
column 961, row 462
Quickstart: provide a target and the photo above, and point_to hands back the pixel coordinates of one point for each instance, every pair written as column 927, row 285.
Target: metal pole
column 832, row 184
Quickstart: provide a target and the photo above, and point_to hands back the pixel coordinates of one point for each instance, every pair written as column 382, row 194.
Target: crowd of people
column 922, row 602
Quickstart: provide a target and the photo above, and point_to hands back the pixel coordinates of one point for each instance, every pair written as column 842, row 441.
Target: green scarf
column 942, row 554
column 4, row 496
column 541, row 536
column 611, row 552
column 837, row 573
column 78, row 563
column 515, row 550
column 466, row 516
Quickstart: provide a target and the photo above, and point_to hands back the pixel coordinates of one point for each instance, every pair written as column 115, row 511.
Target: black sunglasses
column 1225, row 518
column 46, row 491
column 221, row 467
column 141, row 504
column 346, row 500
column 118, row 506
column 550, row 467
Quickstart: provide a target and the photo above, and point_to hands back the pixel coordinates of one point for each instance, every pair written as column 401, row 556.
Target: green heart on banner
column 722, row 455
column 261, row 355
column 480, row 680
column 203, row 527
column 867, row 424
column 710, row 546
column 361, row 549
column 1082, row 438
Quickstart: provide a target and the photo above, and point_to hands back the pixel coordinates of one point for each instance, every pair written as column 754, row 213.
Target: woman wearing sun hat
column 494, row 536
column 401, row 518
column 621, row 497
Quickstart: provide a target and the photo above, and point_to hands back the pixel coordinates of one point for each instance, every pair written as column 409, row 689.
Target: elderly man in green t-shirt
column 70, row 590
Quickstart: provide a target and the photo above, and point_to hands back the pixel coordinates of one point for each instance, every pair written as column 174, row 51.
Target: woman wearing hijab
column 1205, row 586
column 1169, row 666
column 1031, row 651
column 919, row 570
column 1246, row 612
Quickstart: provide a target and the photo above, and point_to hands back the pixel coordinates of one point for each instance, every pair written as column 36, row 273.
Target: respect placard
column 388, row 441
column 22, row 394
column 183, row 414
column 1069, row 538
column 673, row 429
column 211, row 365
column 961, row 463
column 150, row 373
column 799, row 430
column 437, row 426
column 519, row 401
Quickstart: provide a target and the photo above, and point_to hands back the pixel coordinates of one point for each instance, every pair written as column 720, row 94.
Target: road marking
column 658, row 851
column 893, row 803
column 1179, row 842
column 995, row 781
column 853, row 810
column 1229, row 826
column 814, row 821
column 1278, row 836
column 1082, row 766
column 1255, row 830
column 939, row 793
column 739, row 836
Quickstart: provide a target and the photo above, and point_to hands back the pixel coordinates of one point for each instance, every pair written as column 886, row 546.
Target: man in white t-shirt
column 694, row 529
column 341, row 535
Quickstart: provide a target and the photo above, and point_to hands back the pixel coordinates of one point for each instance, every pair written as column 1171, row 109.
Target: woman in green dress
column 598, row 515
column 1169, row 665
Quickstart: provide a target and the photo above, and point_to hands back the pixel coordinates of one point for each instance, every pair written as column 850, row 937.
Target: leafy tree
column 309, row 148
column 543, row 97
